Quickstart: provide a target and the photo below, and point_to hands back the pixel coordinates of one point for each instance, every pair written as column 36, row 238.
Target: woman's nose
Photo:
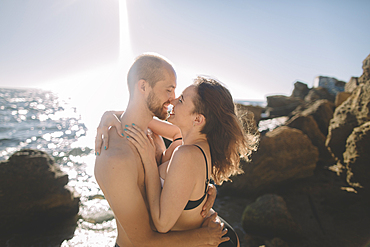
column 174, row 101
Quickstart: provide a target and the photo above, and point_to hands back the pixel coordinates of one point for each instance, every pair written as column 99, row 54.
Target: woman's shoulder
column 187, row 153
column 186, row 149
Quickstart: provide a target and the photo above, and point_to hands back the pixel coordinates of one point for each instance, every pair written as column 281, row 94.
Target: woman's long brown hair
column 227, row 138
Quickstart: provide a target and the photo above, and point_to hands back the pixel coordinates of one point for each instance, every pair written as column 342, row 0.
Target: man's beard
column 155, row 106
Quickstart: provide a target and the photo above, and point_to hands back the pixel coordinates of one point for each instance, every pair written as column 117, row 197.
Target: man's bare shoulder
column 121, row 158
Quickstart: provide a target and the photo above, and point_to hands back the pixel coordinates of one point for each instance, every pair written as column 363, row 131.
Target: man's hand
column 215, row 230
column 212, row 193
column 109, row 119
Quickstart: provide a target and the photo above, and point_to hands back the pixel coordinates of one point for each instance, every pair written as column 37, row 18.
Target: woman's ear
column 199, row 120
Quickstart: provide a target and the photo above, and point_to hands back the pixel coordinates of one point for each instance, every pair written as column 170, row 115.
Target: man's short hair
column 148, row 67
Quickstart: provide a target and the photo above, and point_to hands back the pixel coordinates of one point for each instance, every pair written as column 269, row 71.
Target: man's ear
column 142, row 86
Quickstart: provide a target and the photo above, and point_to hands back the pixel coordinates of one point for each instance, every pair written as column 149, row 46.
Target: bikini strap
column 205, row 158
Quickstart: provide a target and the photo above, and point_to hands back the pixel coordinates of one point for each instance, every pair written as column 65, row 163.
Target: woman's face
column 182, row 114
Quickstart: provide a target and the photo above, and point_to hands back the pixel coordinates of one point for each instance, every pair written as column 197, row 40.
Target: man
column 120, row 173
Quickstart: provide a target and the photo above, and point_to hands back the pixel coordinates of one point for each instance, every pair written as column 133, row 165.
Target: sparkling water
column 32, row 118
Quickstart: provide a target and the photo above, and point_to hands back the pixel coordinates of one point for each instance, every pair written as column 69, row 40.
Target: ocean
column 43, row 120
column 33, row 118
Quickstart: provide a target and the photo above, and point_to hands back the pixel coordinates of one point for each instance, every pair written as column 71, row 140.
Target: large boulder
column 357, row 157
column 300, row 90
column 322, row 111
column 308, row 126
column 352, row 113
column 269, row 217
column 284, row 155
column 33, row 193
column 319, row 93
column 280, row 105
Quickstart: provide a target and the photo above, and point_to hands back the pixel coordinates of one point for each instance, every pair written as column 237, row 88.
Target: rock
column 269, row 217
column 352, row 113
column 308, row 126
column 331, row 84
column 300, row 90
column 252, row 240
column 281, row 100
column 322, row 111
column 365, row 77
column 276, row 242
column 357, row 157
column 285, row 154
column 33, row 193
column 340, row 98
column 279, row 105
column 351, row 85
column 319, row 93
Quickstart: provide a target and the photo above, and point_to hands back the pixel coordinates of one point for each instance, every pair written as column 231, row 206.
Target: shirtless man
column 119, row 170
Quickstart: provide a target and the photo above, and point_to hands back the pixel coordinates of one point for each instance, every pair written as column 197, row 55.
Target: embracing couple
column 162, row 196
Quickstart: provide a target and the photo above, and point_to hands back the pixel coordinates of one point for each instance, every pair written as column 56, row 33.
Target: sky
column 82, row 49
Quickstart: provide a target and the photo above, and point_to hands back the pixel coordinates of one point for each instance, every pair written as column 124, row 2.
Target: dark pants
column 233, row 242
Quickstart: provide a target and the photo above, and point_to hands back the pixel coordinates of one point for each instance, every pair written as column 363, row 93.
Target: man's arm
column 118, row 177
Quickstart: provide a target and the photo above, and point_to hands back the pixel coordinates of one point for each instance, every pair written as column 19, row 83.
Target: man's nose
column 172, row 95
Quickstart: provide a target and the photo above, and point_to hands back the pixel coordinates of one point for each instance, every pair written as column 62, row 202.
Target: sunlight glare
column 125, row 50
column 99, row 89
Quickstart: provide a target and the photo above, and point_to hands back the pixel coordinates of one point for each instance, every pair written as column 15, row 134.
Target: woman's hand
column 109, row 119
column 144, row 144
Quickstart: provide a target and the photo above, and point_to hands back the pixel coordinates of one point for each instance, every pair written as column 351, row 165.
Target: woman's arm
column 166, row 205
column 108, row 120
column 170, row 132
column 165, row 129
column 179, row 184
column 111, row 119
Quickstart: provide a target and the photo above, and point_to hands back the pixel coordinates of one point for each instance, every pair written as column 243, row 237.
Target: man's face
column 160, row 96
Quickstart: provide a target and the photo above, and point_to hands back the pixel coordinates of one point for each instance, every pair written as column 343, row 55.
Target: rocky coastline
column 308, row 182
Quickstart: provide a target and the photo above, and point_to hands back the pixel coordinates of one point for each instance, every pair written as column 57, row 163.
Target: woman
column 213, row 140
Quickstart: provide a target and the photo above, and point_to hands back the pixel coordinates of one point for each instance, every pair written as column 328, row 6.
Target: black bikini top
column 194, row 204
